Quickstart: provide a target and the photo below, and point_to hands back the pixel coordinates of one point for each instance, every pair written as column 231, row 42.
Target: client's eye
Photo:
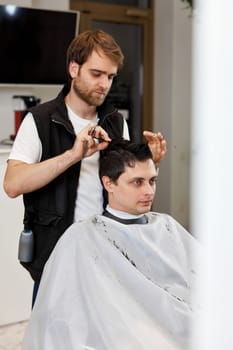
column 138, row 182
column 153, row 180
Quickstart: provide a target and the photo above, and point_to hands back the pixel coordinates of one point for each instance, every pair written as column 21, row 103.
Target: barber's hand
column 88, row 141
column 157, row 144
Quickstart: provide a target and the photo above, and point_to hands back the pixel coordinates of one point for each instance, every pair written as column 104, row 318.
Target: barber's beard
column 91, row 97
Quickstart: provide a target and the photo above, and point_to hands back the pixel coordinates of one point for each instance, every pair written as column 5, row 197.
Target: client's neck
column 121, row 213
column 124, row 217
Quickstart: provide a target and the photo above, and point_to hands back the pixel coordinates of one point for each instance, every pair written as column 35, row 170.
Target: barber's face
column 135, row 188
column 92, row 80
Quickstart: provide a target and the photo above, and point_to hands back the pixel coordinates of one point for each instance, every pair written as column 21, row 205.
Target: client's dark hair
column 119, row 154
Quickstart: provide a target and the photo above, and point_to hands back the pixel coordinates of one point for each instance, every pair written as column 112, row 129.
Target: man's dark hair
column 119, row 154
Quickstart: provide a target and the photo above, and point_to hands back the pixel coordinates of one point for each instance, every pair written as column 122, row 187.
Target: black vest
column 49, row 211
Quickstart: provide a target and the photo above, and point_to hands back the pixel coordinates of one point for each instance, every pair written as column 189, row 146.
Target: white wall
column 16, row 283
column 173, row 35
column 50, row 4
column 16, row 2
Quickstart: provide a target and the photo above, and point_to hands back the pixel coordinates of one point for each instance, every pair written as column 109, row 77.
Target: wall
column 16, row 284
column 173, row 35
column 163, row 95
column 181, row 113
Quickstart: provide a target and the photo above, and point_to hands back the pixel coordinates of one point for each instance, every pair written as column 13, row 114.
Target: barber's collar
column 125, row 218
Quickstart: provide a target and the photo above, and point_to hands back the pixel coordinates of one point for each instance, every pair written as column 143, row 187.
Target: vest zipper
column 64, row 125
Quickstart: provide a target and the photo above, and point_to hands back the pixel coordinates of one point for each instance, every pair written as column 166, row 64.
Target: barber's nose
column 105, row 82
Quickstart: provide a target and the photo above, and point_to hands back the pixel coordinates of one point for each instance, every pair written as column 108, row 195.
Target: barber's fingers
column 97, row 132
column 157, row 144
column 153, row 137
column 156, row 139
column 90, row 139
column 86, row 134
column 160, row 136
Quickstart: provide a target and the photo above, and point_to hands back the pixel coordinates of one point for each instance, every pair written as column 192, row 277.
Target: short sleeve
column 125, row 131
column 27, row 145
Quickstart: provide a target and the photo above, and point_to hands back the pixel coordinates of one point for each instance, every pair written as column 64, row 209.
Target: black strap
column 141, row 220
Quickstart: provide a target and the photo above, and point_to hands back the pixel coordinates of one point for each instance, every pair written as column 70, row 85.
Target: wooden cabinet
column 16, row 283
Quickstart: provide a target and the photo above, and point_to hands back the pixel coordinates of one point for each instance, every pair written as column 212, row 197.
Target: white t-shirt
column 27, row 148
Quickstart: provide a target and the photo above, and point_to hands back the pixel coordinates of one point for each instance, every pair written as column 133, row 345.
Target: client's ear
column 107, row 182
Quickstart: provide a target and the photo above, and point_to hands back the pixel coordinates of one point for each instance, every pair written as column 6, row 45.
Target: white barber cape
column 109, row 286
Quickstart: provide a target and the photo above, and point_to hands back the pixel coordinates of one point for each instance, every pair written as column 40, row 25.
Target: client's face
column 135, row 189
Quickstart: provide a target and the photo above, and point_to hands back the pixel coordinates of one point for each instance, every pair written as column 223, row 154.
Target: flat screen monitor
column 33, row 44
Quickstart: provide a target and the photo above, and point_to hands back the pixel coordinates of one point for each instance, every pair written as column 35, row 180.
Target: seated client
column 122, row 280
